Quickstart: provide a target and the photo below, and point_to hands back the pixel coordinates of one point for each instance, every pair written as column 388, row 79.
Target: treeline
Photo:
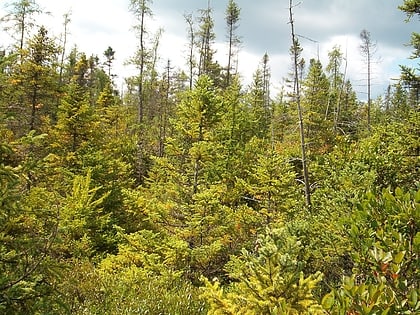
column 185, row 193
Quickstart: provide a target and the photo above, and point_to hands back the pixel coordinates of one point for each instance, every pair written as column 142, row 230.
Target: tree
column 205, row 38
column 410, row 76
column 76, row 118
column 165, row 109
column 336, row 82
column 349, row 110
column 295, row 50
column 342, row 100
column 109, row 54
column 43, row 53
column 267, row 281
column 266, row 81
column 141, row 10
column 193, row 204
column 29, row 229
column 318, row 118
column 197, row 115
column 368, row 49
column 191, row 44
column 260, row 99
column 33, row 82
column 82, row 216
column 22, row 17
column 232, row 19
column 64, row 44
column 410, row 7
column 271, row 185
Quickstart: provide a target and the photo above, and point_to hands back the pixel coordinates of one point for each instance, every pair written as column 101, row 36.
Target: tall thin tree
column 141, row 10
column 232, row 20
column 66, row 22
column 109, row 54
column 206, row 37
column 22, row 17
column 368, row 48
column 191, row 42
column 266, row 83
column 295, row 56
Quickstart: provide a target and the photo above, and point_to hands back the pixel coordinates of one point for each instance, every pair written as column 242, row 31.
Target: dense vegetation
column 185, row 195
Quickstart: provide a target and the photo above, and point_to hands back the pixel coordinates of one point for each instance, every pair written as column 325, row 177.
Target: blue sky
column 97, row 24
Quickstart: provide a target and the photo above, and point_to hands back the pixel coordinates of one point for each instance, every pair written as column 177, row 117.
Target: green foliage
column 391, row 154
column 385, row 159
column 145, row 277
column 318, row 114
column 261, row 111
column 76, row 121
column 269, row 281
column 82, row 218
column 31, row 89
column 410, row 7
column 270, row 186
column 151, row 253
column 28, row 231
column 410, row 75
column 384, row 231
column 87, row 290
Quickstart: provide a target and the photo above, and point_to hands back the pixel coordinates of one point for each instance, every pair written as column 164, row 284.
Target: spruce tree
column 232, row 20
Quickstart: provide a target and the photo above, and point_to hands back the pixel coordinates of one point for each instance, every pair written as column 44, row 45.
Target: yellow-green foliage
column 269, row 281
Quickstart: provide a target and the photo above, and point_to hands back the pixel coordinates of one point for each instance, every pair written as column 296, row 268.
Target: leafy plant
column 385, row 234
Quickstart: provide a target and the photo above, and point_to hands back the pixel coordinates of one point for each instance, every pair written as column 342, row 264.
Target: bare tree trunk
column 34, row 100
column 63, row 52
column 266, row 87
column 229, row 66
column 368, row 48
column 164, row 112
column 189, row 20
column 232, row 19
column 22, row 28
column 141, row 66
column 340, row 92
column 299, row 107
column 368, row 88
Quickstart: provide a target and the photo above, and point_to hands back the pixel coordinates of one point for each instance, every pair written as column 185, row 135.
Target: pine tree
column 21, row 16
column 205, row 38
column 191, row 44
column 336, row 78
column 269, row 281
column 317, row 115
column 109, row 54
column 368, row 49
column 76, row 123
column 296, row 51
column 29, row 228
column 141, row 10
column 410, row 76
column 189, row 205
column 260, row 100
column 33, row 83
column 232, row 20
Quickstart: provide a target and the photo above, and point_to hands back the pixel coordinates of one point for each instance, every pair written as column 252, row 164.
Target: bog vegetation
column 190, row 193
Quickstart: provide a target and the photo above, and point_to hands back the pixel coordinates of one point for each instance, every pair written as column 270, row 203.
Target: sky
column 263, row 28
